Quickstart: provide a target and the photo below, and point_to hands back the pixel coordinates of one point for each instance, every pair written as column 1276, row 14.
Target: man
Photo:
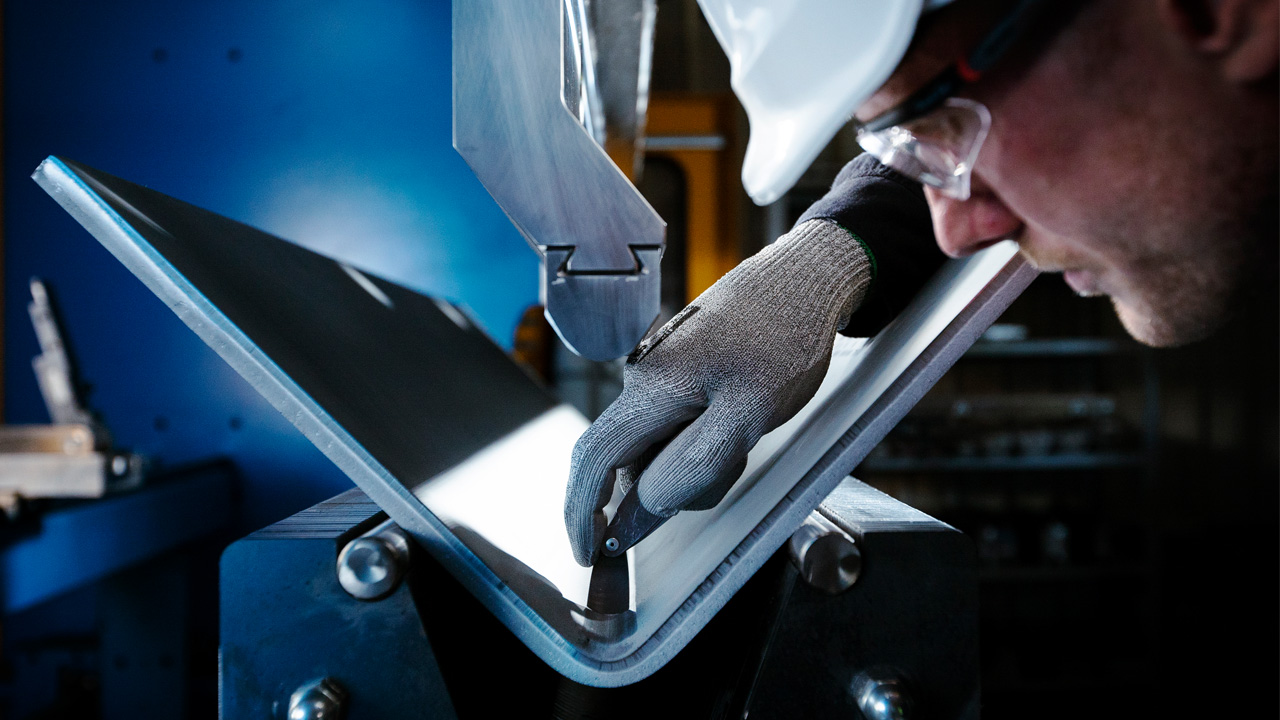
column 1131, row 146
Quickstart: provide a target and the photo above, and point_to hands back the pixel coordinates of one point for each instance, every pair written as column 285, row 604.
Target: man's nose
column 964, row 227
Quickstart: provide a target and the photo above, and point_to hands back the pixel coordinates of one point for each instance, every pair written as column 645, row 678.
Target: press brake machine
column 444, row 586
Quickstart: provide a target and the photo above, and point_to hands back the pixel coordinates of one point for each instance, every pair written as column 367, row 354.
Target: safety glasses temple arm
column 968, row 69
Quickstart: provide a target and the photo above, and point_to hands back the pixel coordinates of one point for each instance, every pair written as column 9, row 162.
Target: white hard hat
column 801, row 68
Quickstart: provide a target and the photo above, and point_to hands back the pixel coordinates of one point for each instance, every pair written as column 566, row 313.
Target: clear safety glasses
column 933, row 137
column 937, row 149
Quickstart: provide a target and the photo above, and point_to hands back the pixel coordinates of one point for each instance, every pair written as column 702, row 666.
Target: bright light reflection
column 512, row 495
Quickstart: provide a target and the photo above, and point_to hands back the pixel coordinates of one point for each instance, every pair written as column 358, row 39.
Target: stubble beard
column 1187, row 296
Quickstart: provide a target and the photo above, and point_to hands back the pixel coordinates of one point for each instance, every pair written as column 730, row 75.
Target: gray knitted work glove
column 739, row 361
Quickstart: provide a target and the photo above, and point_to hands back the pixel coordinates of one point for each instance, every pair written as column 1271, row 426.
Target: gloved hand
column 739, row 361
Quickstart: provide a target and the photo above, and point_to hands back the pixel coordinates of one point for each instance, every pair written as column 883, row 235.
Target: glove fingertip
column 698, row 468
column 585, row 541
column 715, row 492
column 656, row 495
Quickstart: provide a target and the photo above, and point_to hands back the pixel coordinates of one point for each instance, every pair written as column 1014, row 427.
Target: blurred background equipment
column 72, row 457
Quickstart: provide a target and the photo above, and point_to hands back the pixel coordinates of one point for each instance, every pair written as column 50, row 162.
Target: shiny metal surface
column 827, row 557
column 580, row 89
column 467, row 455
column 371, row 566
column 73, row 439
column 631, row 523
column 73, row 457
column 28, row 476
column 322, row 699
column 883, row 696
column 623, row 32
column 60, row 461
column 515, row 77
column 913, row 613
column 53, row 366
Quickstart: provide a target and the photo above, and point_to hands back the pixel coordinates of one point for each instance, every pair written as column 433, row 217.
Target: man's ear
column 1244, row 35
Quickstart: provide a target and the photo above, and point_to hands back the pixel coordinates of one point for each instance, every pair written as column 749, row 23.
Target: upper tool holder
column 526, row 119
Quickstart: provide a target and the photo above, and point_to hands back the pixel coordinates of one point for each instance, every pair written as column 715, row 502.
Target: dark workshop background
column 1123, row 501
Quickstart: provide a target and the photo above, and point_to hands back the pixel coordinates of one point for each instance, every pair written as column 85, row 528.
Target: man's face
column 1115, row 158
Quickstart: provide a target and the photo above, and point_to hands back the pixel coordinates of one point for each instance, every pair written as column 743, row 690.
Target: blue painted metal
column 323, row 121
column 88, row 541
column 287, row 621
column 144, row 642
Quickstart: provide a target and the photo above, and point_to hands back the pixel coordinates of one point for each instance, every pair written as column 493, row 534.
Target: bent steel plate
column 468, row 455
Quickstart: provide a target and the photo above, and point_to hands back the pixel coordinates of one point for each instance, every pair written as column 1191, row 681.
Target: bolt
column 611, row 544
column 322, row 699
column 826, row 556
column 371, row 566
column 882, row 697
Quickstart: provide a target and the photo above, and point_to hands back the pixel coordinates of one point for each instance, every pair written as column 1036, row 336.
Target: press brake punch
column 515, row 95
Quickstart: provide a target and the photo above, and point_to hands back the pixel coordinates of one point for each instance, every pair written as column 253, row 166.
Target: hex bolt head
column 371, row 566
column 827, row 557
column 882, row 696
column 322, row 699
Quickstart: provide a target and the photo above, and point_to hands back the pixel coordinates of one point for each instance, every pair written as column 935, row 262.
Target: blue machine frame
column 328, row 121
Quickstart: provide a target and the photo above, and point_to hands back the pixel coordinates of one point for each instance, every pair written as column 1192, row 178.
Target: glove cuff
column 833, row 260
